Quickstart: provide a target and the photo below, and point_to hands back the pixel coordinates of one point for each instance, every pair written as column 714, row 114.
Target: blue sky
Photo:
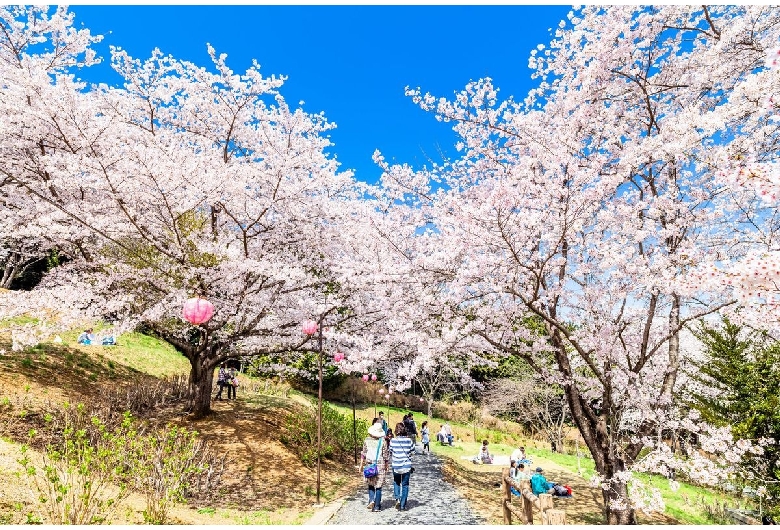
column 350, row 62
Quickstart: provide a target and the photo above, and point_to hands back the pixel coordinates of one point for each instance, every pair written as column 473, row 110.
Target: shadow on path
column 431, row 501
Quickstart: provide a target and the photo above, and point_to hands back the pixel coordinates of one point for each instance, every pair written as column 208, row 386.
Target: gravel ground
column 431, row 501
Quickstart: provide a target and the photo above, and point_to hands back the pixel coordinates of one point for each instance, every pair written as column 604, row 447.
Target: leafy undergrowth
column 265, row 483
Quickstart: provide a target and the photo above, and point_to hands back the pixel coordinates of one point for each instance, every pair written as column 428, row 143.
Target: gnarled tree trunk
column 200, row 385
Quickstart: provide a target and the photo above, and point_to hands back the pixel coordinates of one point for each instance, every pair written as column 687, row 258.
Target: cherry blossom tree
column 187, row 181
column 589, row 203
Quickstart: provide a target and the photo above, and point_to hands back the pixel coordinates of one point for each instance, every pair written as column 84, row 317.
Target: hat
column 538, row 469
column 376, row 430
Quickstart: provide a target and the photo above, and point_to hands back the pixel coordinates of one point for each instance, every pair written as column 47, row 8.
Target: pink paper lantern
column 381, row 390
column 373, row 377
column 197, row 311
column 365, row 377
column 421, row 400
column 338, row 357
column 310, row 327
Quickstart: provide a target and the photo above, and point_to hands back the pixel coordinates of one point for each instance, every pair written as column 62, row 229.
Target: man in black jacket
column 411, row 427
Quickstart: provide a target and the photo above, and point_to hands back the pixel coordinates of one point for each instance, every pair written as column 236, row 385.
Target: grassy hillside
column 265, row 483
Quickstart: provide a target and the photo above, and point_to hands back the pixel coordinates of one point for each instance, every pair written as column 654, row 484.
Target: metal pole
column 354, row 423
column 319, row 413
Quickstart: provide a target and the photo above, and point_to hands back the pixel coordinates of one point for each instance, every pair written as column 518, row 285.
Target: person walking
column 384, row 422
column 411, row 427
column 231, row 382
column 425, row 434
column 221, row 381
column 401, row 449
column 375, row 451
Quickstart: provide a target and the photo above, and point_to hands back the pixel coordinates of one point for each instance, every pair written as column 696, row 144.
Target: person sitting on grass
column 539, row 484
column 87, row 337
column 518, row 455
column 518, row 472
column 441, row 436
column 484, row 456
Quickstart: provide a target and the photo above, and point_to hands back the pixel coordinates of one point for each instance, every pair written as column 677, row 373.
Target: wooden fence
column 528, row 503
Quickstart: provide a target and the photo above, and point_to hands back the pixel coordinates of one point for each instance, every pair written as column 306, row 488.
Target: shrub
column 168, row 464
column 81, row 476
column 91, row 460
column 338, row 439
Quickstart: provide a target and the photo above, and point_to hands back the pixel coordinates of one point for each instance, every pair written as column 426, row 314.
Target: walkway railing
column 528, row 502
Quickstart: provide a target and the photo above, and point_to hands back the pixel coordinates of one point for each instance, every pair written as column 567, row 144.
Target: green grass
column 6, row 323
column 139, row 352
column 687, row 505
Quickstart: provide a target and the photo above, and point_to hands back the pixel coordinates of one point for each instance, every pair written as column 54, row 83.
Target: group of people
column 389, row 452
column 445, row 436
column 227, row 378
column 88, row 338
column 539, row 484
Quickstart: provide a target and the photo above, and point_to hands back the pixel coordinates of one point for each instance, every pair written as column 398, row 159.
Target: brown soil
column 265, row 482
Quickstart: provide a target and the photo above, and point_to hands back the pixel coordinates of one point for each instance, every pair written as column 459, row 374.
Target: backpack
column 561, row 491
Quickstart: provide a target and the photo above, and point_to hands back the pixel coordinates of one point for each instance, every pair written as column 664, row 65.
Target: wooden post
column 528, row 506
column 545, row 503
column 506, row 497
column 556, row 517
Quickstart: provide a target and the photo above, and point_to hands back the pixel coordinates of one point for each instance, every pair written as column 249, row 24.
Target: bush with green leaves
column 168, row 464
column 91, row 461
column 338, row 438
column 82, row 475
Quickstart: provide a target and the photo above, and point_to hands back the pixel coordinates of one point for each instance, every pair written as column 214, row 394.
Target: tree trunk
column 201, row 383
column 616, row 508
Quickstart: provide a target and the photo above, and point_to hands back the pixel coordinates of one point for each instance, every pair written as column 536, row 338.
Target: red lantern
column 338, row 357
column 197, row 311
column 310, row 327
column 365, row 377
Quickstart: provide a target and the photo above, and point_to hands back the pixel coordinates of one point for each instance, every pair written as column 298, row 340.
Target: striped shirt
column 401, row 449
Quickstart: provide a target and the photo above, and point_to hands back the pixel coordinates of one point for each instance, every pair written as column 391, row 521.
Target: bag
column 560, row 491
column 568, row 488
column 371, row 470
column 234, row 382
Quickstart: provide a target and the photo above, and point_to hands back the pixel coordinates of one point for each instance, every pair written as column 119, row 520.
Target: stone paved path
column 431, row 501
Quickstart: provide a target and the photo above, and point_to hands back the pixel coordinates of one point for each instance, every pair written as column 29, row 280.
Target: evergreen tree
column 744, row 370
